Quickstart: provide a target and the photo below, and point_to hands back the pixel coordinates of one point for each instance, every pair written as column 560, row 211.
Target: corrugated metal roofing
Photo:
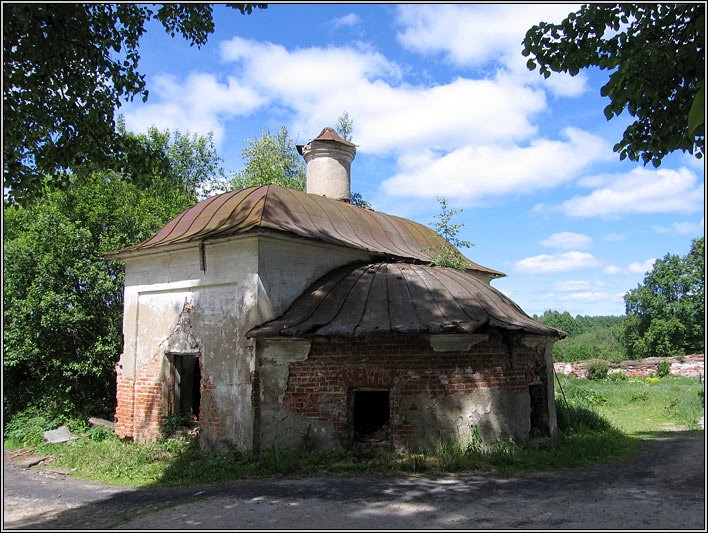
column 275, row 208
column 383, row 298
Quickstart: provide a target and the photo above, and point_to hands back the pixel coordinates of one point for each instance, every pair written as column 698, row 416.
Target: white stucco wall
column 247, row 281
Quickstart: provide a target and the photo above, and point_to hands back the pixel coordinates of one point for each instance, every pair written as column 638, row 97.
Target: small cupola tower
column 329, row 159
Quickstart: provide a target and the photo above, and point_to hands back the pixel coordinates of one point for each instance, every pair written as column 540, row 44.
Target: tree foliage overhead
column 67, row 67
column 656, row 57
column 666, row 313
column 63, row 302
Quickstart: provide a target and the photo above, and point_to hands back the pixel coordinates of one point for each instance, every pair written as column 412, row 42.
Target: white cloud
column 472, row 173
column 479, row 36
column 683, row 228
column 633, row 268
column 639, row 191
column 571, row 286
column 305, row 76
column 199, row 104
column 612, row 270
column 640, row 268
column 614, row 237
column 391, row 116
column 351, row 19
column 593, row 296
column 471, row 139
column 562, row 262
column 567, row 240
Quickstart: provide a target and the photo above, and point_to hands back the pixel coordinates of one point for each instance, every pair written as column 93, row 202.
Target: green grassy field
column 599, row 421
column 639, row 406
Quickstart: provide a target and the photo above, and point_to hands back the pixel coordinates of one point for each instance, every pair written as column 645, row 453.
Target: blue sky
column 443, row 105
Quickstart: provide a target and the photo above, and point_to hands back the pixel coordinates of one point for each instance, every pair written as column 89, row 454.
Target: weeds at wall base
column 595, row 422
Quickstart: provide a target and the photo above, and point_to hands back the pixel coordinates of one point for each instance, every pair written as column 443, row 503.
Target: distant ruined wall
column 688, row 366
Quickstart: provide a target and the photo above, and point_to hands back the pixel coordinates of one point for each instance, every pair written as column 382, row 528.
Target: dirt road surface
column 663, row 487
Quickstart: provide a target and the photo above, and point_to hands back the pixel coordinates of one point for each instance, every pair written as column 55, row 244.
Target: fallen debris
column 61, row 434
column 101, row 422
column 34, row 461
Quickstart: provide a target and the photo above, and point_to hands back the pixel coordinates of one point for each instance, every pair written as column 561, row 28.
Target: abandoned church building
column 269, row 314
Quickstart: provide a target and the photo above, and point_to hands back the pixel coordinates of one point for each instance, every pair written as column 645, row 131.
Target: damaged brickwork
column 687, row 366
column 144, row 403
column 432, row 395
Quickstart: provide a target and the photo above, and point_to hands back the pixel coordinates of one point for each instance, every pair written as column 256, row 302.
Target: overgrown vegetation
column 589, row 337
column 666, row 312
column 640, row 406
column 665, row 316
column 63, row 301
column 448, row 256
column 599, row 421
column 598, row 370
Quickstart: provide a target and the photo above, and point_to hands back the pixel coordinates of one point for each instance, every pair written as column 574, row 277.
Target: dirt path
column 663, row 487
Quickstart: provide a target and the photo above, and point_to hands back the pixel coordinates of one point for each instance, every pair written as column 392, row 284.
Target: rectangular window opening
column 371, row 415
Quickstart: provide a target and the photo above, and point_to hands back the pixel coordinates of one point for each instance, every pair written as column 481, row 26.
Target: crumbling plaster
column 248, row 279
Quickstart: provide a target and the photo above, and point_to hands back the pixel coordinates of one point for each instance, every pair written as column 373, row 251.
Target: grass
column 639, row 406
column 599, row 421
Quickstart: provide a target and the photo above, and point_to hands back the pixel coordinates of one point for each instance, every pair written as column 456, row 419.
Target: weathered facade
column 275, row 317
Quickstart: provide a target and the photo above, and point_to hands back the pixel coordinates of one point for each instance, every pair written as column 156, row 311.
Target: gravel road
column 663, row 487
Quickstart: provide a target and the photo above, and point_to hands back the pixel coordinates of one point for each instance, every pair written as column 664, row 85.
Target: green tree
column 271, row 159
column 563, row 321
column 448, row 256
column 274, row 159
column 666, row 313
column 180, row 161
column 67, row 67
column 63, row 302
column 656, row 57
column 345, row 126
column 345, row 129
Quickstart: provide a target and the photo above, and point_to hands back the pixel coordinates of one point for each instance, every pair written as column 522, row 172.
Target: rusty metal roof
column 280, row 209
column 327, row 134
column 384, row 298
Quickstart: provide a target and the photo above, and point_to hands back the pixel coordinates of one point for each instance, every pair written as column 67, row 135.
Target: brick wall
column 406, row 365
column 210, row 422
column 139, row 409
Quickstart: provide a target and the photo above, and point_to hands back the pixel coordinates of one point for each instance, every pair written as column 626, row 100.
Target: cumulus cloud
column 635, row 267
column 567, row 240
column 497, row 32
column 611, row 270
column 561, row 262
column 473, row 138
column 614, row 237
column 199, row 104
column 566, row 286
column 592, row 296
column 683, row 228
column 641, row 268
column 391, row 116
column 474, row 172
column 350, row 19
column 639, row 191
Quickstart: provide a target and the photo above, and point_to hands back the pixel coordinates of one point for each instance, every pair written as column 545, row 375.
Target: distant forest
column 589, row 337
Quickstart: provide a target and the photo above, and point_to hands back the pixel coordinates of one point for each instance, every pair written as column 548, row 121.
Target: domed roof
column 280, row 209
column 384, row 298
